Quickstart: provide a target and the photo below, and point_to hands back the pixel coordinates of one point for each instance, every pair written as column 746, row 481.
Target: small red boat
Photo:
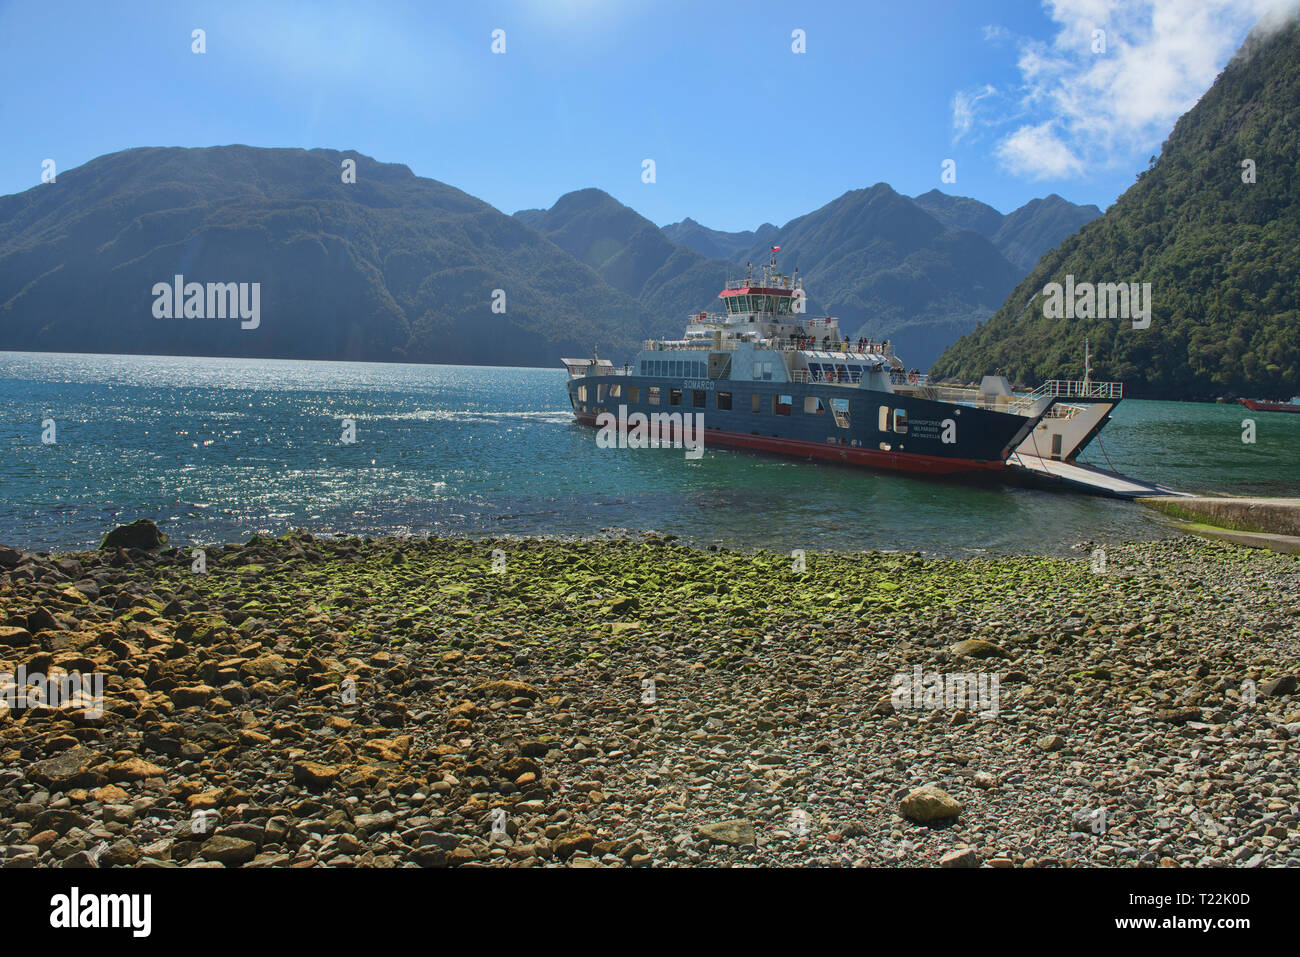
column 1259, row 405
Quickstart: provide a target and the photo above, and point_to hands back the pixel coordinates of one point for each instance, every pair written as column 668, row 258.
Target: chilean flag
column 776, row 249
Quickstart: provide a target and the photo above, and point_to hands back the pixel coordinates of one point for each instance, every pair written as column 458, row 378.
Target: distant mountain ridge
column 391, row 267
column 631, row 253
column 1023, row 234
column 714, row 243
column 911, row 271
column 399, row 267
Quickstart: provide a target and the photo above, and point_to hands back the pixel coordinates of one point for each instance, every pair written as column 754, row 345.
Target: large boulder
column 142, row 534
column 929, row 804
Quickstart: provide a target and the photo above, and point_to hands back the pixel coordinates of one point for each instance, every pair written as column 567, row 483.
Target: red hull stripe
column 853, row 455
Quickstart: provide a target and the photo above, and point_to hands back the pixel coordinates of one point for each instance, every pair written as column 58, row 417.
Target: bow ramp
column 1086, row 478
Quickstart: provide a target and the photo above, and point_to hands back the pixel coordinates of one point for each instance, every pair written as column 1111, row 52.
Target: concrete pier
column 1272, row 523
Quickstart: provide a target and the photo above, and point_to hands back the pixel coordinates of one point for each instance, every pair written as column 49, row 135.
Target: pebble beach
column 442, row 702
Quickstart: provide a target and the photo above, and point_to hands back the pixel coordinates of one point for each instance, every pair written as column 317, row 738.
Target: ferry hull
column 938, row 439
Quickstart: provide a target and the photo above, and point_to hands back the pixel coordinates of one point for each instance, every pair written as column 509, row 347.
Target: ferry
column 1260, row 405
column 766, row 377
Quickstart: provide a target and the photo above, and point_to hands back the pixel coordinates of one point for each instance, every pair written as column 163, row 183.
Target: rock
column 928, row 804
column 1051, row 742
column 121, row 853
column 133, row 769
column 621, row 604
column 961, row 857
column 430, row 856
column 228, row 850
column 314, row 774
column 192, row 696
column 66, row 770
column 369, row 823
column 266, row 666
column 60, row 821
column 14, row 637
column 566, row 845
column 979, row 648
column 734, row 833
column 1178, row 715
column 508, row 689
column 142, row 534
column 1279, row 686
column 10, row 557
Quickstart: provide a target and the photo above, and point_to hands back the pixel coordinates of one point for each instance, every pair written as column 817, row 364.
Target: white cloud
column 1087, row 109
column 1039, row 152
column 963, row 109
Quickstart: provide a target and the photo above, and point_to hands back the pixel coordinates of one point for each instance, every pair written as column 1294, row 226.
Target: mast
column 1087, row 362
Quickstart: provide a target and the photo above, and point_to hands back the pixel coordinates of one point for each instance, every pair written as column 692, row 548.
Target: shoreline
column 646, row 703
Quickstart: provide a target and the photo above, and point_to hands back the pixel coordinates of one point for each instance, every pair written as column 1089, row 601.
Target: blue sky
column 741, row 128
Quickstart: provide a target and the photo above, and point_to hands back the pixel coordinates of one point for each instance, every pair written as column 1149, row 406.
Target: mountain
column 1022, row 235
column 399, row 267
column 961, row 212
column 390, row 267
column 888, row 269
column 632, row 254
column 1039, row 225
column 714, row 243
column 1218, row 251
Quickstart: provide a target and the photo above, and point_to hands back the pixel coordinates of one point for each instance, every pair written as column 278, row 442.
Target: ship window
column 813, row 405
column 616, row 391
column 782, row 404
column 634, row 393
column 884, row 418
column 600, row 392
column 783, row 306
column 840, row 407
column 582, row 393
column 698, row 398
column 674, row 396
column 900, row 420
column 652, row 395
column 723, row 401
column 755, row 403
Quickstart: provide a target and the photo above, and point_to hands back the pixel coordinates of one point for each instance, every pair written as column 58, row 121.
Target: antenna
column 1087, row 362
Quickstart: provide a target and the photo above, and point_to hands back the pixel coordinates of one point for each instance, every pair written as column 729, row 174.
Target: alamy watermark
column 38, row 690
column 673, row 430
column 179, row 299
column 966, row 691
column 1106, row 300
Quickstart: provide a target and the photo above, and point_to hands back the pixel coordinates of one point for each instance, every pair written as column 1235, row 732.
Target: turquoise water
column 220, row 449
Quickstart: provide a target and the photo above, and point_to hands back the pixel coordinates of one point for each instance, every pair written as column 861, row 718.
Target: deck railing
column 803, row 375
